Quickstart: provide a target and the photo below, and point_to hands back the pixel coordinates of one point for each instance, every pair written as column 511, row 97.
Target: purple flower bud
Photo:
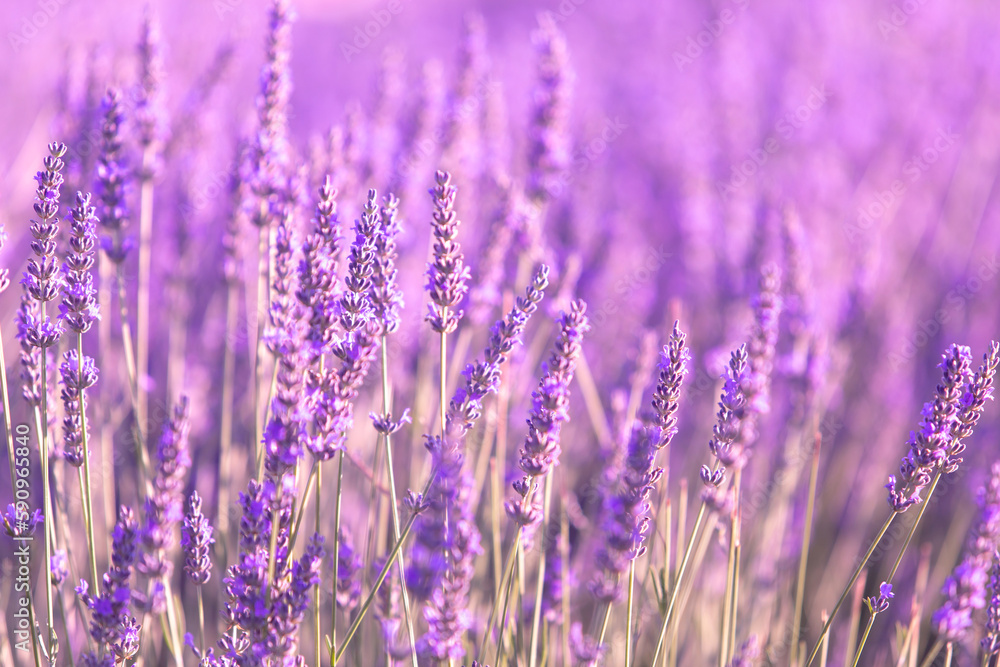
column 197, row 540
column 447, row 274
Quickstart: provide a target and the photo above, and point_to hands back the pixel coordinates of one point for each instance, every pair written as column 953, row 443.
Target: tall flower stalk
column 42, row 283
column 79, row 312
column 934, row 451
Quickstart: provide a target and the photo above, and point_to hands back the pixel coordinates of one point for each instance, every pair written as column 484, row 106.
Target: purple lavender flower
column 197, row 540
column 550, row 405
column 285, row 431
column 760, row 353
column 18, row 522
column 355, row 307
column 164, row 505
column 965, row 589
column 42, row 280
column 149, row 113
column 747, row 654
column 973, row 402
column 930, row 447
column 442, row 565
column 269, row 152
column 289, row 605
column 79, row 307
column 58, row 567
column 482, row 378
column 447, row 274
column 879, row 603
column 485, row 293
column 348, row 571
column 386, row 297
column 112, row 180
column 109, row 607
column 548, row 153
column 77, row 377
column 318, row 270
column 991, row 640
column 672, row 369
column 30, row 355
column 724, row 445
column 585, row 649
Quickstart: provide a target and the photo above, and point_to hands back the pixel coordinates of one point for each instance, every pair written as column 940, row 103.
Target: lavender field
column 558, row 333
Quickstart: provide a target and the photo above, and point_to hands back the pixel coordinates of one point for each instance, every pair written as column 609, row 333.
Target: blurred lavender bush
column 553, row 250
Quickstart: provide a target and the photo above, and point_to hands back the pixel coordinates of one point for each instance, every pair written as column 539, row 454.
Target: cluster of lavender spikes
column 958, row 403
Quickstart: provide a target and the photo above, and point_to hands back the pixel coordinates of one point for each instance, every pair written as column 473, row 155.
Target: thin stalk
column 176, row 646
column 263, row 252
column 852, row 635
column 592, row 400
column 850, row 585
column 947, row 654
column 391, row 479
column 825, row 643
column 677, row 584
column 800, row 584
column 88, row 506
column 517, row 595
column 864, row 639
column 564, row 548
column 929, row 660
column 311, row 481
column 65, row 621
column 628, row 613
column 201, row 615
column 537, row 615
column 444, row 378
column 142, row 298
column 226, row 420
column 337, row 654
column 140, row 440
column 336, row 556
column 504, row 586
column 316, row 600
column 43, row 446
column 6, row 418
column 913, row 528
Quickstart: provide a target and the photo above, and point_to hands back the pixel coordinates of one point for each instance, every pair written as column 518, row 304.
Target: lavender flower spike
column 163, row 506
column 965, row 589
column 482, row 378
column 991, row 640
column 747, row 654
column 318, row 271
column 548, row 153
column 878, row 604
column 447, row 275
column 931, row 446
column 42, row 280
column 77, row 377
column 112, row 180
column 386, row 297
column 197, row 540
column 550, row 404
column 724, row 445
column 110, row 606
column 760, row 352
column 79, row 307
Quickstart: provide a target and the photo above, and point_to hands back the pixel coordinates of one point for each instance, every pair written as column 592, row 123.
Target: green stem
column 88, row 506
column 864, row 639
column 800, row 584
column 537, row 615
column 316, row 600
column 391, row 479
column 339, row 653
column 336, row 552
column 628, row 612
column 43, row 445
column 850, row 585
column 677, row 583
